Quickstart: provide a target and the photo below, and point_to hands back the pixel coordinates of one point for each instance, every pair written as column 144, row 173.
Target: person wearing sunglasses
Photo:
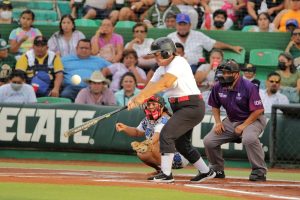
column 244, row 122
column 17, row 91
column 271, row 95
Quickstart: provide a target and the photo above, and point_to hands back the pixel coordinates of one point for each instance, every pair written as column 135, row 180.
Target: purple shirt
column 239, row 102
column 85, row 97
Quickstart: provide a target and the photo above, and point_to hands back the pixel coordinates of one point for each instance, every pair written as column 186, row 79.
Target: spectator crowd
column 112, row 71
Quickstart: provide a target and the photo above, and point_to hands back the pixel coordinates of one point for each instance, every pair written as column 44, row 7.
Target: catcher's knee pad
column 179, row 161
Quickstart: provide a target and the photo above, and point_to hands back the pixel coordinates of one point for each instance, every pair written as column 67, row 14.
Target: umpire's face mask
column 225, row 78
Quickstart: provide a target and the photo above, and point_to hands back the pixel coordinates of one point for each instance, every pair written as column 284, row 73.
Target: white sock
column 166, row 163
column 201, row 166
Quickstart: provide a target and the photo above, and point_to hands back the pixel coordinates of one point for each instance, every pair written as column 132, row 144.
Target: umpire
column 175, row 77
column 244, row 121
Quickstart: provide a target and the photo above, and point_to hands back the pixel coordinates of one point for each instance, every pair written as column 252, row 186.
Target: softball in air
column 76, row 79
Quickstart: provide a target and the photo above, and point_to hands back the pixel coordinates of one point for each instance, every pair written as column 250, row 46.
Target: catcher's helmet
column 164, row 45
column 157, row 112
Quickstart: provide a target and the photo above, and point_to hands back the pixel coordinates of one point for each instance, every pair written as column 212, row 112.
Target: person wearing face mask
column 219, row 18
column 6, row 12
column 17, row 91
column 157, row 13
column 271, row 95
column 290, row 77
column 244, row 121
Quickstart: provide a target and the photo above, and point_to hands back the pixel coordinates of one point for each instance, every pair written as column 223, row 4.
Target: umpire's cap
column 163, row 44
column 229, row 65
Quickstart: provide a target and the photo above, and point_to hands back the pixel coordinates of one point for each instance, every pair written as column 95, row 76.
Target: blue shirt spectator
column 82, row 64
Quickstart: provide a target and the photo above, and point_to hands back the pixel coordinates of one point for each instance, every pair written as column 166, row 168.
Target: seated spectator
column 128, row 63
column 106, row 43
column 293, row 12
column 187, row 7
column 141, row 45
column 294, row 46
column 218, row 21
column 290, row 77
column 95, row 9
column 127, row 90
column 194, row 41
column 205, row 74
column 75, row 5
column 82, row 64
column 44, row 69
column 6, row 12
column 135, row 10
column 17, row 91
column 7, row 62
column 271, row 95
column 64, row 41
column 291, row 25
column 235, row 9
column 179, row 49
column 255, row 7
column 250, row 73
column 157, row 13
column 21, row 38
column 264, row 24
column 97, row 92
column 170, row 20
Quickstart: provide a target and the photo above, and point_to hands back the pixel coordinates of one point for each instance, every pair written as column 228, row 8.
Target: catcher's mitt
column 142, row 147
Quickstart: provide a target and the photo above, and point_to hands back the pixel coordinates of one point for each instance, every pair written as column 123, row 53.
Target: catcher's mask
column 228, row 67
column 154, row 112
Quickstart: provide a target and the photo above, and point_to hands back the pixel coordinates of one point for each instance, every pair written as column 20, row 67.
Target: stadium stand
column 50, row 100
column 239, row 58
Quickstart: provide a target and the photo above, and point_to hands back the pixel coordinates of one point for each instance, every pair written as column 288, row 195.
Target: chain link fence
column 285, row 136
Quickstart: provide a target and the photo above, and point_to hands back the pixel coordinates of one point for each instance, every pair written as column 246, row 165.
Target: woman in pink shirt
column 106, row 43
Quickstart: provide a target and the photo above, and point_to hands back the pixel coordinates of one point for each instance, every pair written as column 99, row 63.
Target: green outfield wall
column 41, row 127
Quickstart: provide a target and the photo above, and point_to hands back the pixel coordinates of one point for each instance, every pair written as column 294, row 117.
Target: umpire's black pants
column 176, row 134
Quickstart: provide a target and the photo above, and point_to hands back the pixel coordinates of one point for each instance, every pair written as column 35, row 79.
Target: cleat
column 162, row 178
column 202, row 177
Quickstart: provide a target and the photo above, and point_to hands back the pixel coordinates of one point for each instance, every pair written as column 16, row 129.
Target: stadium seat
column 239, row 58
column 50, row 100
column 264, row 57
column 125, row 24
column 43, row 5
column 40, row 15
column 247, row 28
column 64, row 7
column 265, row 60
column 88, row 22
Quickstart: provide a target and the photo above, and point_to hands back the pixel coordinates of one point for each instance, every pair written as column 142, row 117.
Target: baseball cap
column 292, row 22
column 40, row 40
column 6, row 4
column 183, row 18
column 3, row 44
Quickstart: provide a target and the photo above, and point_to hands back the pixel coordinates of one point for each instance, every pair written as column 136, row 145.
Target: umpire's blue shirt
column 238, row 102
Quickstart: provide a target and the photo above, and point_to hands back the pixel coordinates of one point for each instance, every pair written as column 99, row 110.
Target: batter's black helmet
column 229, row 65
column 164, row 45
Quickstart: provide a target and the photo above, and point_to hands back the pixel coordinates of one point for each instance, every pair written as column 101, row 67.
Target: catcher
column 148, row 152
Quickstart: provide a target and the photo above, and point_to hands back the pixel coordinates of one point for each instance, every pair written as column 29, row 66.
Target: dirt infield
column 233, row 187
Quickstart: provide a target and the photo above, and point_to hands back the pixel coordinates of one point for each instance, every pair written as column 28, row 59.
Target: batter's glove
column 142, row 147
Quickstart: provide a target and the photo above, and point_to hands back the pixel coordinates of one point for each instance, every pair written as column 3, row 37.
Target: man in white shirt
column 271, row 95
column 17, row 91
column 194, row 41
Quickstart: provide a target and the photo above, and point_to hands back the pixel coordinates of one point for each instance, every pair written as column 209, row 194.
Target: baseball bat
column 91, row 122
